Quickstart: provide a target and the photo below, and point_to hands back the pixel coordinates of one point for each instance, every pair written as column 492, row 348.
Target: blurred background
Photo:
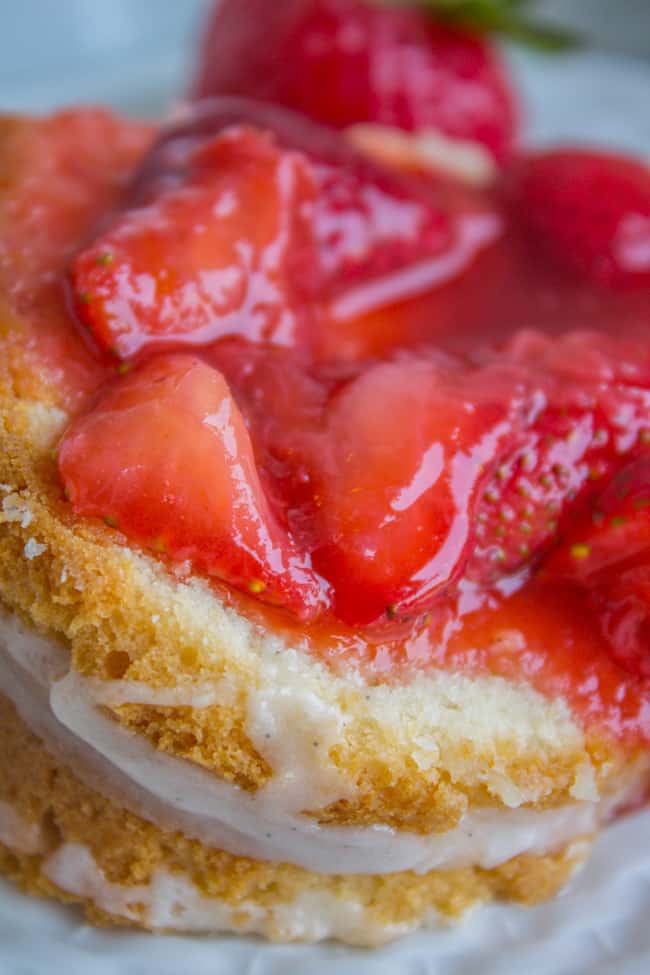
column 136, row 55
column 135, row 52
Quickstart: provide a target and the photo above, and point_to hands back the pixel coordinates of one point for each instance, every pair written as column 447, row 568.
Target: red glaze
column 591, row 211
column 59, row 176
column 548, row 636
column 371, row 402
column 347, row 61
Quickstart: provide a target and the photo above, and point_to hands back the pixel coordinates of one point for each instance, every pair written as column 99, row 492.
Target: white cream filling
column 172, row 901
column 16, row 833
column 175, row 794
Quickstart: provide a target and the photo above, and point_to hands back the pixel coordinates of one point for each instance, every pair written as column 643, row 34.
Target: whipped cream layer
column 65, row 710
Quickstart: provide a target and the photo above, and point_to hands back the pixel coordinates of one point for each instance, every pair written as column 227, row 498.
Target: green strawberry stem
column 505, row 17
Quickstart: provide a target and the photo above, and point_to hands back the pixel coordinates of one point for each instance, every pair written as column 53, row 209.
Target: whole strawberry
column 590, row 211
column 348, row 61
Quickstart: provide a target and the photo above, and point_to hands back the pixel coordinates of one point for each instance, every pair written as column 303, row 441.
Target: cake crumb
column 33, row 548
column 15, row 510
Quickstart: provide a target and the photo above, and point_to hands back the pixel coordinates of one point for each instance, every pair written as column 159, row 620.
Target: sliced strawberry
column 590, row 211
column 366, row 225
column 613, row 532
column 348, row 61
column 395, row 479
column 588, row 414
column 236, row 229
column 607, row 552
column 341, row 448
column 166, row 457
column 210, row 257
column 367, row 219
column 380, row 236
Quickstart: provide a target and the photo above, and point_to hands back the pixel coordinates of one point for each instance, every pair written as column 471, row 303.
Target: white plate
column 602, row 924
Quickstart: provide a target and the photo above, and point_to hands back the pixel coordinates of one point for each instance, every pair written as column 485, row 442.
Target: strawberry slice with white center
column 165, row 456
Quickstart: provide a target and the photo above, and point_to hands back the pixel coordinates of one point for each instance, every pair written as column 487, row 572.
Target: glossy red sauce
column 507, row 288
column 543, row 632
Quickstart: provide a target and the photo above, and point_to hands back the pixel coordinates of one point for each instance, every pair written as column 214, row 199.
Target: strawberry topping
column 235, row 229
column 401, row 427
column 347, row 61
column 396, row 479
column 590, row 409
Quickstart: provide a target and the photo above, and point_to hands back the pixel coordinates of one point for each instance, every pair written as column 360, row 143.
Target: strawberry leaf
column 505, row 17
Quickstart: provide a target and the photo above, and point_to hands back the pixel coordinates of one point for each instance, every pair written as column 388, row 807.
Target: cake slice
column 288, row 642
